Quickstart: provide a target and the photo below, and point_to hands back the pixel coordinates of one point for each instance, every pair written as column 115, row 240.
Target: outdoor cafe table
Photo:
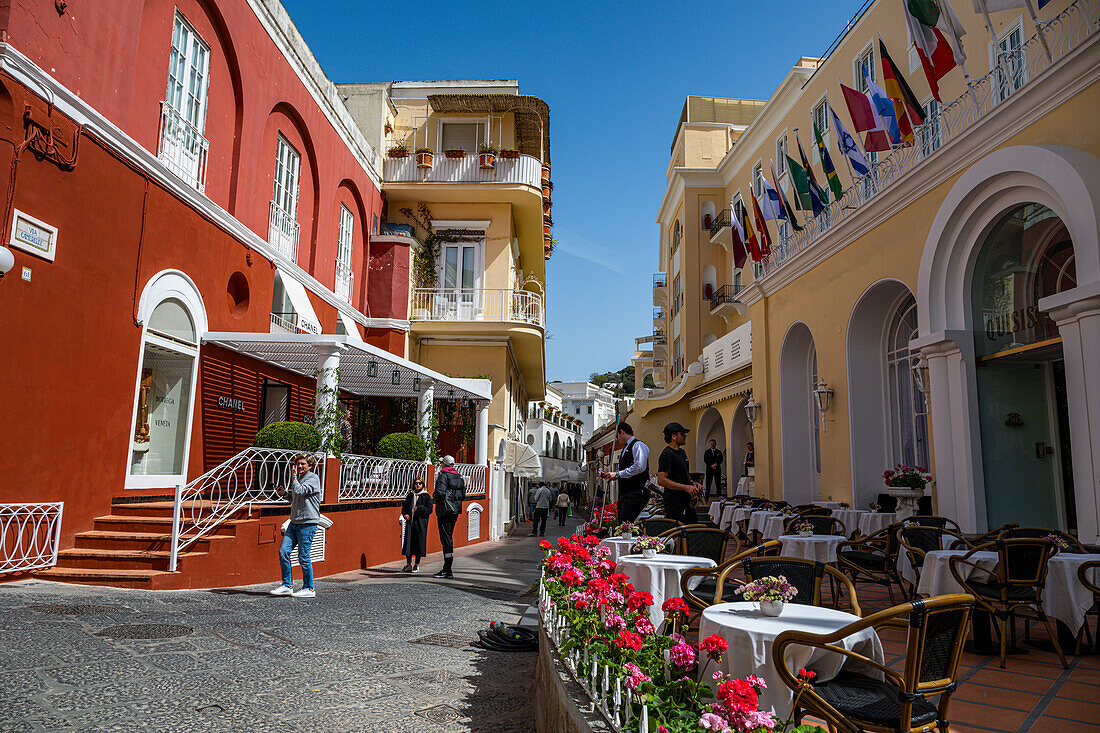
column 773, row 526
column 751, row 634
column 818, row 547
column 872, row 522
column 1065, row 598
column 756, row 521
column 849, row 518
column 715, row 512
column 618, row 546
column 660, row 576
column 936, row 578
column 827, row 504
column 742, row 514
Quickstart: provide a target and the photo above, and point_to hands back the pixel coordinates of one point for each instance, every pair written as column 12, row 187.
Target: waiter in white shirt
column 632, row 475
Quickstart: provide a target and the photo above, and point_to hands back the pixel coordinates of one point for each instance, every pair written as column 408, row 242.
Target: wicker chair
column 1016, row 589
column 822, row 524
column 814, row 509
column 1038, row 533
column 658, row 525
column 1083, row 575
column 875, row 557
column 917, row 541
column 983, row 538
column 853, row 702
column 711, row 589
column 933, row 521
column 806, row 576
column 704, row 541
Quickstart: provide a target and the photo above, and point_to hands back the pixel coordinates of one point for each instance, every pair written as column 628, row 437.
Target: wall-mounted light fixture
column 372, row 369
column 920, row 376
column 823, row 396
column 416, row 384
column 7, row 261
column 753, row 410
column 396, row 377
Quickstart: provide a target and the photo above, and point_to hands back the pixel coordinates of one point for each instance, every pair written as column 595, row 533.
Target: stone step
column 109, row 540
column 111, row 577
column 132, row 523
column 95, row 558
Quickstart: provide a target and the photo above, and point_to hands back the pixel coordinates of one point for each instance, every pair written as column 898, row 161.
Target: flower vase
column 649, row 553
column 771, row 608
column 805, row 533
column 907, row 500
column 628, row 535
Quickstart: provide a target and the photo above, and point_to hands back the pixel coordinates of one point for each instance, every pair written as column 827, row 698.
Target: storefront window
column 162, row 419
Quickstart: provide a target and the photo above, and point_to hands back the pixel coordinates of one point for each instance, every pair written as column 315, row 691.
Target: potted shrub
column 400, row 150
column 487, row 155
column 274, row 469
column 548, row 245
column 424, row 157
column 509, row 153
column 406, row 446
column 455, row 153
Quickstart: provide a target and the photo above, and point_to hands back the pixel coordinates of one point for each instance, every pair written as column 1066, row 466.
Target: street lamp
column 920, row 376
column 823, row 395
column 753, row 410
column 7, row 261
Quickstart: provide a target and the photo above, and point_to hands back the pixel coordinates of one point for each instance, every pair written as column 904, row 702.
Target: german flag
column 906, row 106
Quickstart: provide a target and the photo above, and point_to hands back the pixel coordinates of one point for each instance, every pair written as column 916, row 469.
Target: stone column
column 481, row 434
column 1077, row 313
column 425, row 404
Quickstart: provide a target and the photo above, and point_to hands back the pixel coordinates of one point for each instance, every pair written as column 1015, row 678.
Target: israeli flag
column 849, row 147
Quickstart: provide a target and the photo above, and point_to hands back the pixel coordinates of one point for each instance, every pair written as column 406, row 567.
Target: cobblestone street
column 375, row 650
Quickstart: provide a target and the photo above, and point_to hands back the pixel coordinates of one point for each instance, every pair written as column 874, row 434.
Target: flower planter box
column 424, row 160
column 455, row 153
column 398, row 152
column 509, row 154
column 487, row 160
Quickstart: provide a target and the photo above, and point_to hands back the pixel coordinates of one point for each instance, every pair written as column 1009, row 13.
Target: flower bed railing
column 474, row 476
column 29, row 536
column 367, row 478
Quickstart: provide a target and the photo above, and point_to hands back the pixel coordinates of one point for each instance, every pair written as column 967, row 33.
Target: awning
column 307, row 318
column 350, row 327
column 520, row 460
column 365, row 370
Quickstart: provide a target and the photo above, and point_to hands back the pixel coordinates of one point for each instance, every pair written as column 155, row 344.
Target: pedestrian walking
column 562, row 505
column 450, row 492
column 632, row 475
column 531, row 491
column 542, row 510
column 416, row 509
column 674, row 476
column 712, row 459
column 304, row 493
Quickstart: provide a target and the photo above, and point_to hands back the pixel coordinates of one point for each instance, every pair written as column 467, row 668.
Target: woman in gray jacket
column 305, row 513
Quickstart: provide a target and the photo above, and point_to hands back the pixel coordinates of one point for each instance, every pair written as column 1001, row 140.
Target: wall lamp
column 823, row 395
column 372, row 369
column 753, row 410
column 920, row 376
column 396, row 377
column 7, row 261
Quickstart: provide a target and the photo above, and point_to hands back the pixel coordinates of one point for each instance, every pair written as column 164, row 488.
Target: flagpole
column 1038, row 29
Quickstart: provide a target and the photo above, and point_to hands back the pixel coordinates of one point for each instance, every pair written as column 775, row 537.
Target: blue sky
column 615, row 77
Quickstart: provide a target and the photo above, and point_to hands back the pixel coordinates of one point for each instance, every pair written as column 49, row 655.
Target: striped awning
column 739, row 388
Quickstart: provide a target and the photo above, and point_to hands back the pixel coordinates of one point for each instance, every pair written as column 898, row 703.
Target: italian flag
column 936, row 33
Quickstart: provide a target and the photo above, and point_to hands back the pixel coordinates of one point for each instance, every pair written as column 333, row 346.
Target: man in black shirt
column 674, row 476
column 712, row 458
column 632, row 475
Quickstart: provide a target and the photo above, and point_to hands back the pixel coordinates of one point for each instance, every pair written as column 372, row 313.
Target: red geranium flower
column 638, row 600
column 545, row 545
column 675, row 606
column 714, row 645
column 629, row 640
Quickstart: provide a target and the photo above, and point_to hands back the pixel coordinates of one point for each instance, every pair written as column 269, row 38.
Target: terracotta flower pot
column 455, row 153
column 546, row 173
column 509, row 154
column 546, row 208
column 546, row 230
column 545, row 194
column 399, row 152
column 487, row 160
column 424, row 160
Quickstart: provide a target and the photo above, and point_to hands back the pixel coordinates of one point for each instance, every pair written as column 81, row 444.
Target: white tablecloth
column 872, row 522
column 849, row 518
column 715, row 511
column 773, row 526
column 750, row 635
column 821, row 547
column 756, row 521
column 618, row 546
column 827, row 504
column 936, row 578
column 660, row 576
column 742, row 514
column 906, row 569
column 1065, row 598
column 744, row 485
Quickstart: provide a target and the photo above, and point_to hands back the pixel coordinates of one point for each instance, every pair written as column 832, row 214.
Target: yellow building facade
column 945, row 312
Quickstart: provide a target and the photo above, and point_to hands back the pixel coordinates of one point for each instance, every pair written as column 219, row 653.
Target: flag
column 750, row 233
column 740, row 249
column 849, row 147
column 787, row 210
column 769, row 201
column 827, row 165
column 884, row 108
column 930, row 30
column 865, row 118
column 765, row 235
column 906, row 106
column 818, row 198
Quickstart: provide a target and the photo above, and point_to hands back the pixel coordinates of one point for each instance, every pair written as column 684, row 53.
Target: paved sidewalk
column 376, row 650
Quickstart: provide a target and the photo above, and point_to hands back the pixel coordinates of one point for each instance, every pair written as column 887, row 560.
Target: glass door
column 459, row 280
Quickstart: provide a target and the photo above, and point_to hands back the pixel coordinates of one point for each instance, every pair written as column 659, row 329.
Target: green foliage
column 623, row 377
column 424, row 274
column 289, row 436
column 405, row 446
column 327, row 415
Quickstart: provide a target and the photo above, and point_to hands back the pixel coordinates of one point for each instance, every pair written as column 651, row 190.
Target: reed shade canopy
column 532, row 116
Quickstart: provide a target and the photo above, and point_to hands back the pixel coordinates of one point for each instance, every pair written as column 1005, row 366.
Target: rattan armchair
column 925, row 520
column 853, row 702
column 704, row 541
column 983, row 538
column 1038, row 533
column 1088, row 579
column 658, row 525
column 806, row 576
column 822, row 524
column 814, row 509
column 875, row 558
column 917, row 541
column 712, row 588
column 1015, row 589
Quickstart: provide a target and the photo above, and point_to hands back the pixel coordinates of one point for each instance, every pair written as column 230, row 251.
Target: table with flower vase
column 1065, row 597
column 935, row 575
column 756, row 521
column 619, row 546
column 849, row 518
column 660, row 576
column 872, row 522
column 742, row 514
column 827, row 504
column 775, row 526
column 817, row 547
column 905, row 567
column 750, row 635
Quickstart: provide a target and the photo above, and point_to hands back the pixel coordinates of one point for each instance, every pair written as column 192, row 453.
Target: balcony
column 285, row 323
column 467, row 305
column 344, row 276
column 282, row 232
column 724, row 303
column 658, row 316
column 721, row 231
column 182, row 147
column 525, row 170
column 731, row 352
column 660, row 289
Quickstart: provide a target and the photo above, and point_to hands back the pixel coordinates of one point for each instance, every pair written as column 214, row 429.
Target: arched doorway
column 800, row 434
column 710, row 428
column 888, row 417
column 740, row 431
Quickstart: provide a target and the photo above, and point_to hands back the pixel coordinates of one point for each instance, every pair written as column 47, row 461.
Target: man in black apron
column 632, row 475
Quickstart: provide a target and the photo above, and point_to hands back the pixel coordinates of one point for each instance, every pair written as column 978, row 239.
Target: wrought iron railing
column 284, row 322
column 182, row 147
column 724, row 294
column 660, row 280
column 477, row 304
column 1013, row 72
column 29, row 536
column 253, row 476
column 721, row 221
column 282, row 232
column 474, row 476
column 344, row 277
column 366, row 478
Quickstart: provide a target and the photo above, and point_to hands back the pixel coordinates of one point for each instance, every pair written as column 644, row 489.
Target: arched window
column 908, row 411
column 547, row 451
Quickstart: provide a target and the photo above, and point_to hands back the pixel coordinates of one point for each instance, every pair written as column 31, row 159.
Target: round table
column 1065, row 598
column 936, row 578
column 619, row 546
column 849, row 518
column 774, row 526
column 827, row 504
column 820, row 547
column 715, row 511
column 751, row 634
column 872, row 522
column 756, row 521
column 906, row 569
column 660, row 576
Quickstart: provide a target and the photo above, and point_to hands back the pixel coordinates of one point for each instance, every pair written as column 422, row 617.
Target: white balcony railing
column 525, row 169
column 364, row 478
column 29, row 536
column 344, row 276
column 284, row 323
column 1014, row 71
column 182, row 147
column 282, row 232
column 474, row 476
column 438, row 304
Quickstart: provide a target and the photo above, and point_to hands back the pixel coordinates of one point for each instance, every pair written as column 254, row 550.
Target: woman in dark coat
column 416, row 509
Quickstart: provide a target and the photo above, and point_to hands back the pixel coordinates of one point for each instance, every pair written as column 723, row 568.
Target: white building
column 593, row 406
column 556, row 436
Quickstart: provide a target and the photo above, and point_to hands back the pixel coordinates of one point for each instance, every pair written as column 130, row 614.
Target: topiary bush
column 288, row 435
column 405, row 446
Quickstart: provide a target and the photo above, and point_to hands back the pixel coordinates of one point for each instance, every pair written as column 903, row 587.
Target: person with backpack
column 450, row 492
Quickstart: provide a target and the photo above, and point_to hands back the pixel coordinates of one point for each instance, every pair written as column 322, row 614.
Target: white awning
column 351, row 328
column 307, row 317
column 520, row 460
column 364, row 369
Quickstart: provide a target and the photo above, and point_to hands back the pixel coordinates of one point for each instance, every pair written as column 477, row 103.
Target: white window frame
column 180, row 94
column 857, row 68
column 1009, row 87
column 932, row 136
column 898, row 365
column 826, row 130
column 781, row 157
column 288, row 172
column 484, row 123
column 758, row 178
column 344, row 243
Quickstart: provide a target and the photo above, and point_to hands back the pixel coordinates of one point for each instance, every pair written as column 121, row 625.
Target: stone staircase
column 130, row 548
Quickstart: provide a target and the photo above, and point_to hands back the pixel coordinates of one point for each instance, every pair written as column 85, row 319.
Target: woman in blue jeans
column 305, row 512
